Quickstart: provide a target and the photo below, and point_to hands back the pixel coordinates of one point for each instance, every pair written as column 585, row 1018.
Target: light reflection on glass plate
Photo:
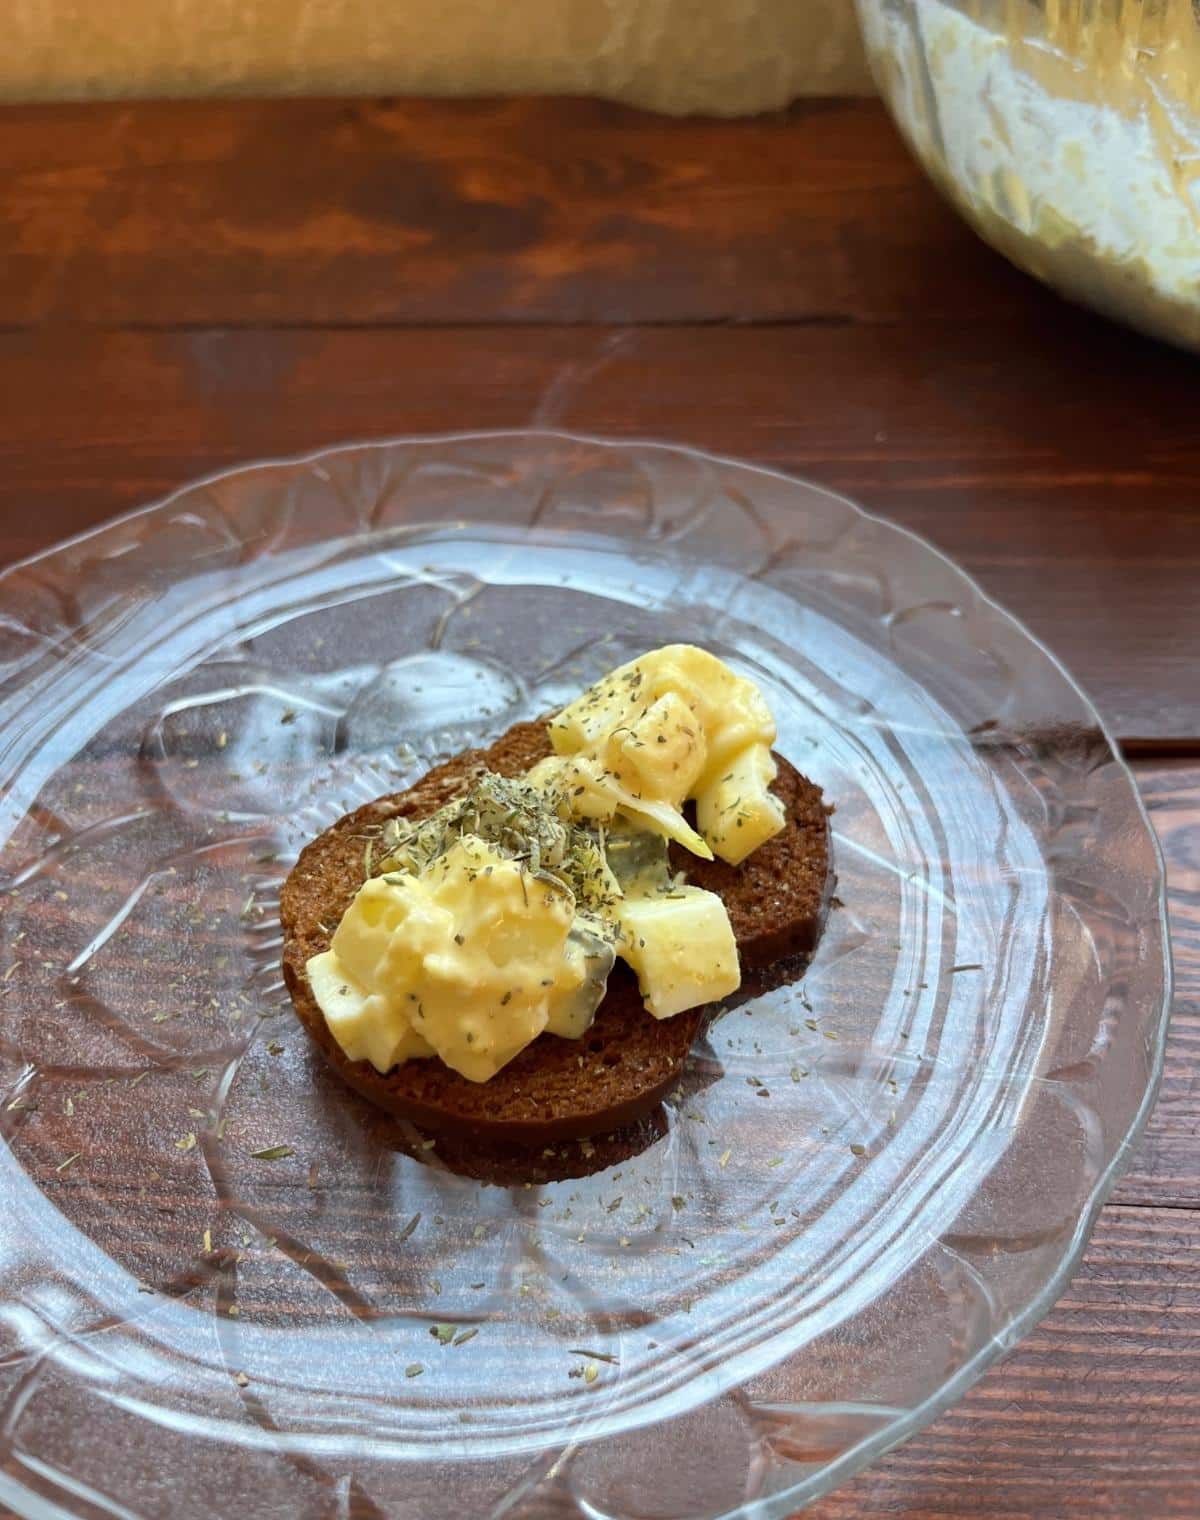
column 870, row 1182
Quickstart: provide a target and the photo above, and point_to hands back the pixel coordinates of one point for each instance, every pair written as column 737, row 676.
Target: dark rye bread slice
column 558, row 1089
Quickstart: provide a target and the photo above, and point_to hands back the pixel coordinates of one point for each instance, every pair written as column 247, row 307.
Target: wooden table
column 183, row 287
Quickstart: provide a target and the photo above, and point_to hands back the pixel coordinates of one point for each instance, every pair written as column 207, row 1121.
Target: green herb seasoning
column 519, row 822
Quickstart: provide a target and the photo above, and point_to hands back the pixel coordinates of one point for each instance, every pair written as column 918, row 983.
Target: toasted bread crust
column 558, row 1089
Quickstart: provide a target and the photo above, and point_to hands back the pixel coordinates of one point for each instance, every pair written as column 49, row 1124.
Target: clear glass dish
column 227, row 1287
column 1067, row 132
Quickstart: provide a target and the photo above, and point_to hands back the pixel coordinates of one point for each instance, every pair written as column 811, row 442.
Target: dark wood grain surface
column 184, row 287
column 369, row 214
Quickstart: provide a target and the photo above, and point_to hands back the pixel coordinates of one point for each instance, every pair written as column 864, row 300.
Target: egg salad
column 500, row 916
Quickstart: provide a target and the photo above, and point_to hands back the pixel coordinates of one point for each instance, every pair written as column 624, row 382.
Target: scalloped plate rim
column 907, row 1422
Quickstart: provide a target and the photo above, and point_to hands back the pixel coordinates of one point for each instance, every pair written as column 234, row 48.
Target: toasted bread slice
column 559, row 1089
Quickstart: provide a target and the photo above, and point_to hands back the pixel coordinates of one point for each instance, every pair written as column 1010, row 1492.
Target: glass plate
column 870, row 1184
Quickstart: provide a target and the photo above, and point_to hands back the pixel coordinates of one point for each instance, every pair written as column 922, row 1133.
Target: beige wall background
column 724, row 56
